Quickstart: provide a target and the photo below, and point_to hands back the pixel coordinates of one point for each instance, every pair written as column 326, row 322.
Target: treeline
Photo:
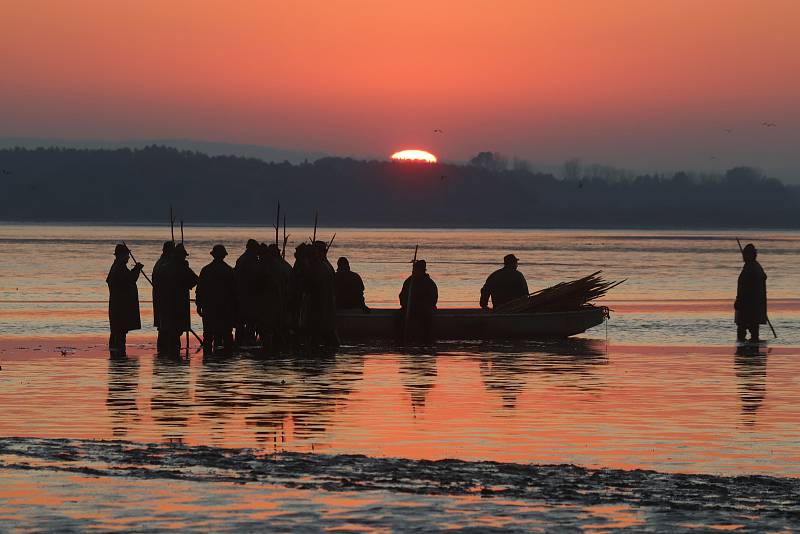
column 126, row 185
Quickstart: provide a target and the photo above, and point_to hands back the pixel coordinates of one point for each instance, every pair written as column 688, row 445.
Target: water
column 660, row 387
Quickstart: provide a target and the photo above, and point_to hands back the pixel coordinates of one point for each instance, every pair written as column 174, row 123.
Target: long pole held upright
column 283, row 251
column 408, row 297
column 172, row 223
column 316, row 219
column 277, row 223
column 741, row 250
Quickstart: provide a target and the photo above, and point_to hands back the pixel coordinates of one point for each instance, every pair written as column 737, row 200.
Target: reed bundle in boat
column 565, row 296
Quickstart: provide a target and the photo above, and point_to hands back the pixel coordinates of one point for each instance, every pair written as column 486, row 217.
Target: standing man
column 216, row 301
column 162, row 296
column 504, row 284
column 123, row 300
column 248, row 291
column 418, row 300
column 349, row 288
column 184, row 279
column 751, row 296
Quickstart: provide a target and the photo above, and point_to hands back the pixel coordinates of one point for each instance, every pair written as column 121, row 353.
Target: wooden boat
column 473, row 323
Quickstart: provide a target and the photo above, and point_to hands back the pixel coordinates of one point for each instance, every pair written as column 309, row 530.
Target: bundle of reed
column 566, row 296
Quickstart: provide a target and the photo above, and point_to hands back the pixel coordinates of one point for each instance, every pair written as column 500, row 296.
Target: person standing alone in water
column 751, row 296
column 123, row 300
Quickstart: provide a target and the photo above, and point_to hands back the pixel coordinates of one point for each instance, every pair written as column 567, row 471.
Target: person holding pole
column 751, row 296
column 183, row 280
column 418, row 300
column 123, row 300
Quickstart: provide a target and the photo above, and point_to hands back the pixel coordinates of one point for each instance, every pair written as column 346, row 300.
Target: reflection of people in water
column 123, row 382
column 751, row 373
column 418, row 374
column 171, row 401
column 569, row 362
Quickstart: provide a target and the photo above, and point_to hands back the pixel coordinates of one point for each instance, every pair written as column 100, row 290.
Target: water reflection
column 123, row 382
column 750, row 363
column 418, row 375
column 506, row 368
column 170, row 403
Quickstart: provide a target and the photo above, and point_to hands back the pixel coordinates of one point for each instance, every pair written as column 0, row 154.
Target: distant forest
column 124, row 185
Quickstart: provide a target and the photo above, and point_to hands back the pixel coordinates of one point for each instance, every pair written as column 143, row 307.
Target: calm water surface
column 661, row 386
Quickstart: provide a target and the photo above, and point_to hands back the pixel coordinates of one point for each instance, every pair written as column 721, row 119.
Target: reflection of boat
column 471, row 323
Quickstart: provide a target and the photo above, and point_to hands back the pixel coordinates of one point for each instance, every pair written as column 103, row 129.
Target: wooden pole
column 408, row 297
column 277, row 223
column 134, row 260
column 285, row 238
column 172, row 223
column 316, row 219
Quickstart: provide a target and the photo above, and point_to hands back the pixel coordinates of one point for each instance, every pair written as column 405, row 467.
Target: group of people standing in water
column 268, row 302
column 263, row 299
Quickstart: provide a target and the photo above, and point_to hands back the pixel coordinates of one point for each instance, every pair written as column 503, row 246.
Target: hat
column 218, row 251
column 168, row 247
column 420, row 265
column 749, row 251
column 509, row 259
column 180, row 250
column 120, row 249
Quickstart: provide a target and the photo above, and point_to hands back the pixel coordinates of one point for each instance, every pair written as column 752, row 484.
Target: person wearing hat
column 215, row 298
column 504, row 284
column 418, row 300
column 123, row 299
column 176, row 317
column 349, row 287
column 248, row 291
column 162, row 294
column 751, row 296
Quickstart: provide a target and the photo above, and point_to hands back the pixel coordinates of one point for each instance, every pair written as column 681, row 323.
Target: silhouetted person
column 162, row 291
column 269, row 297
column 320, row 285
column 123, row 299
column 349, row 288
column 751, row 296
column 504, row 284
column 281, row 271
column 216, row 301
column 418, row 300
column 183, row 279
column 248, row 290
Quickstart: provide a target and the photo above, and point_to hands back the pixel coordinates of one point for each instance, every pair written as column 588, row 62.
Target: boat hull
column 472, row 323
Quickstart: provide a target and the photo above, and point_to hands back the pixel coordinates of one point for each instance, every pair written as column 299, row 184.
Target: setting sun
column 414, row 155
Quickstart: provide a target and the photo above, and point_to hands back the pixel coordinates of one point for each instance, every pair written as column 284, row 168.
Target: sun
column 414, row 155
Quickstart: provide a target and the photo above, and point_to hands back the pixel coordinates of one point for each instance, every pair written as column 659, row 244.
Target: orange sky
column 634, row 83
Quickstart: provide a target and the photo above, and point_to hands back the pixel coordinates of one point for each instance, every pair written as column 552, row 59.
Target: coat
column 216, row 295
column 123, row 298
column 502, row 286
column 321, row 290
column 250, row 286
column 751, row 295
column 175, row 315
column 349, row 291
column 161, row 290
column 423, row 292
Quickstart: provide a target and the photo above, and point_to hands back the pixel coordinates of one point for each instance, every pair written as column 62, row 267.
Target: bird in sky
column 437, row 130
column 728, row 130
column 713, row 157
column 768, row 124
